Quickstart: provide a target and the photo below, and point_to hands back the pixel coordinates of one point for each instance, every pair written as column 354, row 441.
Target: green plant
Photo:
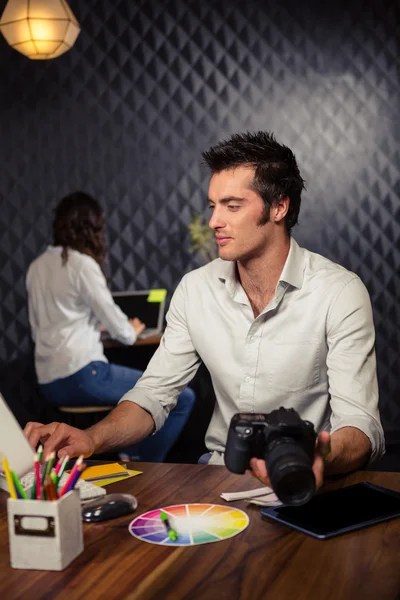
column 202, row 238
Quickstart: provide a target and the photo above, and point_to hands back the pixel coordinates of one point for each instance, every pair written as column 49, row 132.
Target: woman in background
column 69, row 302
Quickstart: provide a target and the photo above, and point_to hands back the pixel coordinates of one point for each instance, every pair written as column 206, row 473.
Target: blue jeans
column 101, row 383
column 204, row 459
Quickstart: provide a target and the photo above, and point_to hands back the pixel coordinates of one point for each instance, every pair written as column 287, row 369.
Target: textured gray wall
column 150, row 84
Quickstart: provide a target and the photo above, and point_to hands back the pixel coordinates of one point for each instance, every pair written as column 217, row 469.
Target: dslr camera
column 284, row 441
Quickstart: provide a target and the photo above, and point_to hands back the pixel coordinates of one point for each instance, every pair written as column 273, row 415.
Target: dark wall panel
column 150, row 84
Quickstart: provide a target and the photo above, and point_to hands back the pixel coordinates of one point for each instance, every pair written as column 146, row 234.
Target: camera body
column 284, row 441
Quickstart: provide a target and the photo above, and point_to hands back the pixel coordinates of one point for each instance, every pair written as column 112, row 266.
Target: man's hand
column 322, row 449
column 125, row 425
column 68, row 440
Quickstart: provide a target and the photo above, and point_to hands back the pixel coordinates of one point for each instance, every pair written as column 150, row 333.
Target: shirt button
column 247, row 379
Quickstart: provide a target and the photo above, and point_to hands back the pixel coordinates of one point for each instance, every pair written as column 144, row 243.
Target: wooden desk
column 148, row 341
column 266, row 561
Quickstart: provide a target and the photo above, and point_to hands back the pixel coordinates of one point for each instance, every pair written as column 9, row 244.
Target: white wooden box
column 45, row 535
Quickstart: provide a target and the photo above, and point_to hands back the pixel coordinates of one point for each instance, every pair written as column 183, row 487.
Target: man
column 275, row 325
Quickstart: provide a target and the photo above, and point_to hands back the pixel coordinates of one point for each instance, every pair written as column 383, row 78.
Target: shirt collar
column 227, row 274
column 292, row 272
column 293, row 269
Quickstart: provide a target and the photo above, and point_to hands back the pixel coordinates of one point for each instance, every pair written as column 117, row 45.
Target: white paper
column 268, row 500
column 264, row 496
column 264, row 491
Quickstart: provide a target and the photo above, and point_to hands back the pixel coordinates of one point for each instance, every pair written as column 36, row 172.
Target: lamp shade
column 39, row 29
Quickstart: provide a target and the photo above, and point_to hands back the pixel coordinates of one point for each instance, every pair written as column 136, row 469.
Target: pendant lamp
column 39, row 29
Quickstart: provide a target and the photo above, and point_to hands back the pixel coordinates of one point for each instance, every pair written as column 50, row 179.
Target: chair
column 95, row 412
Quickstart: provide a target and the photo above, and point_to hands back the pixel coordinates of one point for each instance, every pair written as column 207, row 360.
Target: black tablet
column 333, row 513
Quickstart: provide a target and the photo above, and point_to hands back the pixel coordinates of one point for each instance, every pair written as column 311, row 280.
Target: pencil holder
column 45, row 535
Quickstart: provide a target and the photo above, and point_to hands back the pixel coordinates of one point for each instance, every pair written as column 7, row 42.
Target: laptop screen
column 140, row 304
column 13, row 444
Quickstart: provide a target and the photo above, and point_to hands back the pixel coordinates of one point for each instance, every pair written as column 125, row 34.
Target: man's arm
column 353, row 385
column 350, row 449
column 127, row 424
column 144, row 408
column 172, row 366
column 342, row 452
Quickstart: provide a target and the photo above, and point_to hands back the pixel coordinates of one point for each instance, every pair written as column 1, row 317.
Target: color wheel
column 194, row 523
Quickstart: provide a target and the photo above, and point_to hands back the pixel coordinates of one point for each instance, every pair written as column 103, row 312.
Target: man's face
column 237, row 212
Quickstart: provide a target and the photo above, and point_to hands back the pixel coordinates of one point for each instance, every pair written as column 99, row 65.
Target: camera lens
column 290, row 471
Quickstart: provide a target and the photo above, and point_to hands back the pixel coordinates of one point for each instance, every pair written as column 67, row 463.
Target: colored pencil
column 53, row 491
column 53, row 483
column 50, row 489
column 58, row 466
column 62, row 468
column 33, row 490
column 37, row 476
column 51, row 462
column 45, row 490
column 40, row 453
column 78, row 473
column 10, row 482
column 65, row 487
column 20, row 490
column 48, row 465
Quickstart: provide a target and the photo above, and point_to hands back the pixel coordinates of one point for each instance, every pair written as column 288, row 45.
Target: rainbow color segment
column 194, row 523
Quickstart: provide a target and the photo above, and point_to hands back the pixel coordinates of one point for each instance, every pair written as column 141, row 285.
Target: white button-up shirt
column 66, row 305
column 311, row 348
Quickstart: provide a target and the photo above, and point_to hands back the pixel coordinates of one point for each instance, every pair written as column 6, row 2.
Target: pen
column 172, row 534
column 111, row 476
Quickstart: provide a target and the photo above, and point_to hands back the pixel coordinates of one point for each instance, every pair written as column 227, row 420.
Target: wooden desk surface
column 267, row 560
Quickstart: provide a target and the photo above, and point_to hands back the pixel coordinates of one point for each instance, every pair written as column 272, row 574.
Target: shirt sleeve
column 351, row 365
column 172, row 366
column 95, row 293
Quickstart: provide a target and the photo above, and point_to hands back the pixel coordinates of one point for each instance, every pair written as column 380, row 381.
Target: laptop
column 14, row 446
column 146, row 305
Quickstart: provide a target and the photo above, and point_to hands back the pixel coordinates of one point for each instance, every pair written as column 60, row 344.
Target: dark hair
column 79, row 224
column 276, row 172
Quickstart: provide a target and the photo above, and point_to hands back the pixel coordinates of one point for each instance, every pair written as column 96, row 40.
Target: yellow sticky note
column 102, row 471
column 156, row 295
